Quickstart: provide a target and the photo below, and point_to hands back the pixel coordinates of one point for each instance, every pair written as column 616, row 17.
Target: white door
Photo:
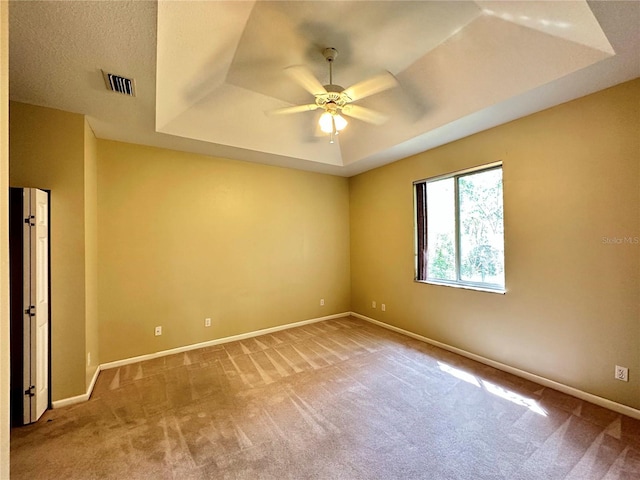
column 36, row 294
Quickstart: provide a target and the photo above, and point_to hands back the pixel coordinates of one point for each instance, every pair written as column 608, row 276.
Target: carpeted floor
column 340, row 399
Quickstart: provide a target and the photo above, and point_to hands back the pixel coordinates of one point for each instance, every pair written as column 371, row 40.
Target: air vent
column 119, row 84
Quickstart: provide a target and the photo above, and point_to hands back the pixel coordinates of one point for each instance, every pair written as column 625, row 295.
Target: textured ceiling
column 207, row 71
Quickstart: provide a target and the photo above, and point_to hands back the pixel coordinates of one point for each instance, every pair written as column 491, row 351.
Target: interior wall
column 4, row 241
column 47, row 152
column 572, row 223
column 184, row 237
column 91, row 252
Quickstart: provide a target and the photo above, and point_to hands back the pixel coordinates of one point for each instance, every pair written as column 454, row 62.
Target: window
column 460, row 229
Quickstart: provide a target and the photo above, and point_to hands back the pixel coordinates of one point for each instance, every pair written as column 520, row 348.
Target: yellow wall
column 183, row 237
column 91, row 251
column 4, row 240
column 572, row 307
column 180, row 237
column 47, row 152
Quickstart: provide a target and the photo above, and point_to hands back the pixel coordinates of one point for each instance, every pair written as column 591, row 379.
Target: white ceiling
column 207, row 71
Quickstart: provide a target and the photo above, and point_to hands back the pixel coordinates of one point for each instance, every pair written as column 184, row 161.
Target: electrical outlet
column 207, row 322
column 322, row 302
column 89, row 359
column 622, row 373
column 373, row 304
column 383, row 307
column 158, row 331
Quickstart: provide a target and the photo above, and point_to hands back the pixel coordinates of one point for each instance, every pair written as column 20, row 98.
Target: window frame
column 421, row 231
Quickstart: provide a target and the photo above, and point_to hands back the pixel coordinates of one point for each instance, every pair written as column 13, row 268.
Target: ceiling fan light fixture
column 330, row 122
column 326, row 123
column 340, row 122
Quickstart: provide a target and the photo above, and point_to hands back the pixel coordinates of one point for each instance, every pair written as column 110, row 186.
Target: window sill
column 499, row 291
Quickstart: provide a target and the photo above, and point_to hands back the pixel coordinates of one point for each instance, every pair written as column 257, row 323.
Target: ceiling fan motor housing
column 334, row 99
column 333, row 88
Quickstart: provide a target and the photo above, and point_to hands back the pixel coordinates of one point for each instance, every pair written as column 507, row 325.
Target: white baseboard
column 78, row 398
column 119, row 363
column 603, row 402
column 217, row 341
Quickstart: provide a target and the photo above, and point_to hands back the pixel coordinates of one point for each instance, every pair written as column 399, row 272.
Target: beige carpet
column 340, row 399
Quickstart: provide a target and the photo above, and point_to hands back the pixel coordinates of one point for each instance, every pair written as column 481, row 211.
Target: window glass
column 441, row 229
column 460, row 229
column 481, row 227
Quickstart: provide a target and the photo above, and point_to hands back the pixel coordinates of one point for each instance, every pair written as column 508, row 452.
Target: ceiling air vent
column 119, row 84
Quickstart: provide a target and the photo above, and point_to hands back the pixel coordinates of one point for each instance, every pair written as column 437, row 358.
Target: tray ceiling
column 207, row 71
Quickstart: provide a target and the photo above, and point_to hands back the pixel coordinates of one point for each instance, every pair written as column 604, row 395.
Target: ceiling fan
column 336, row 100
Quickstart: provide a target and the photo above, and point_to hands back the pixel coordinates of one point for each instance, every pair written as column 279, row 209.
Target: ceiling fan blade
column 303, row 76
column 296, row 109
column 382, row 81
column 364, row 114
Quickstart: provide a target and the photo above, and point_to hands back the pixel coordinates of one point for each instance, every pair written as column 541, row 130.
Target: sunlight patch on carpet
column 494, row 389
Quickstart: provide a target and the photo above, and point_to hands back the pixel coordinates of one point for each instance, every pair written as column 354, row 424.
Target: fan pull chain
column 334, row 131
